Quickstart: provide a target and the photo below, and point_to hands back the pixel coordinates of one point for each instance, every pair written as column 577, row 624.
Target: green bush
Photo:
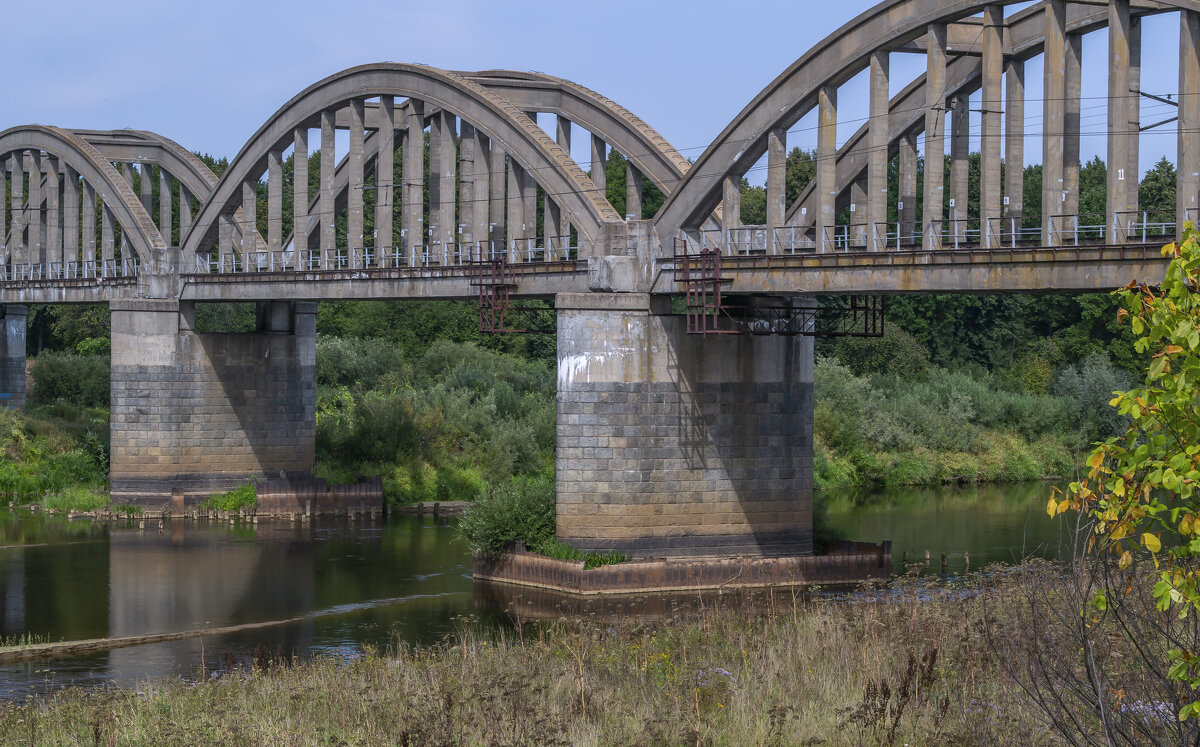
column 76, row 498
column 244, row 496
column 39, row 457
column 516, row 511
column 361, row 364
column 80, row 380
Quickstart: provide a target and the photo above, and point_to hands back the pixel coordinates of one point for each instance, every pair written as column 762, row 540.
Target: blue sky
column 209, row 74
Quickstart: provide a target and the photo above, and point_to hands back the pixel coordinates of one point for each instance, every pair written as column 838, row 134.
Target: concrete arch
column 145, row 146
column 500, row 120
column 832, row 62
column 97, row 171
column 649, row 151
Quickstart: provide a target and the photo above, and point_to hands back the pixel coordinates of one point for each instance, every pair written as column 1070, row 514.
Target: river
column 356, row 583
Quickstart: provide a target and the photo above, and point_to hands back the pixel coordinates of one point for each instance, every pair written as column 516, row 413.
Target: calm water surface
column 357, row 583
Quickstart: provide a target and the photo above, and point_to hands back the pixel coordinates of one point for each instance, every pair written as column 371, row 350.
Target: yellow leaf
column 1151, row 542
column 1126, row 560
column 1051, row 505
column 1119, row 532
column 1185, row 524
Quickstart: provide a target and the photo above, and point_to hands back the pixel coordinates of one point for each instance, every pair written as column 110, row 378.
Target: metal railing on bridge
column 517, row 252
column 127, row 267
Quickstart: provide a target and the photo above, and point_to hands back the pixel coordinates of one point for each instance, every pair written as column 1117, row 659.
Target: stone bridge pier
column 672, row 444
column 202, row 412
column 12, row 356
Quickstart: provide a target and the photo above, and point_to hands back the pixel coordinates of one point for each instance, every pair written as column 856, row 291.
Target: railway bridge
column 684, row 337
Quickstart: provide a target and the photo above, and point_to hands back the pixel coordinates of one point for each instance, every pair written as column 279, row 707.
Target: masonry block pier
column 202, row 412
column 672, row 444
column 12, row 356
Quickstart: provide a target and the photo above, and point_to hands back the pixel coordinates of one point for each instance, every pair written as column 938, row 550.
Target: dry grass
column 909, row 665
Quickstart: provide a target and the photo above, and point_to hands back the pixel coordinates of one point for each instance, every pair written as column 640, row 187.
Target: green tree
column 1156, row 193
column 1142, row 491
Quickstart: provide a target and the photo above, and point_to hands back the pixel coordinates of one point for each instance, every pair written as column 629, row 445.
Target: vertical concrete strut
column 70, row 215
column 36, row 250
column 413, row 173
column 515, row 202
column 249, row 218
column 529, row 190
column 633, row 193
column 107, row 242
column 562, row 133
column 466, row 185
column 858, row 212
column 935, row 136
column 165, row 194
column 356, row 180
column 185, row 211
column 776, row 181
column 16, row 249
column 326, row 205
column 989, row 127
column 1014, row 144
column 5, row 238
column 1188, row 176
column 146, row 184
column 274, row 200
column 906, row 200
column 88, row 223
column 731, row 204
column 498, row 172
column 447, row 177
column 1133, row 101
column 53, row 216
column 826, row 176
column 300, row 241
column 1054, row 93
column 1118, row 116
column 1073, row 89
column 960, row 165
column 481, row 233
column 385, row 180
column 877, row 160
column 599, row 165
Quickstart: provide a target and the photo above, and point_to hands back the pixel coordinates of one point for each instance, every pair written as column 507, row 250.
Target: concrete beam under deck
column 1060, row 270
column 372, row 285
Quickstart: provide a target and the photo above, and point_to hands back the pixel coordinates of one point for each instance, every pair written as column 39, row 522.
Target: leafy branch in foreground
column 1142, row 490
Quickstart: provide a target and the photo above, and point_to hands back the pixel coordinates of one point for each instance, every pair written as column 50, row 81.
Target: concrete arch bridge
column 668, row 442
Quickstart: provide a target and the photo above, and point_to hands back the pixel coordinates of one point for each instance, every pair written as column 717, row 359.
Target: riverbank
column 910, row 665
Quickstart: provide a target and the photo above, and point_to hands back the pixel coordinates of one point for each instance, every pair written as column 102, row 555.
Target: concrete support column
column 185, row 212
column 127, row 173
column 356, row 179
column 1187, row 189
column 442, row 157
column 935, row 136
column 16, row 249
column 385, row 180
column 107, row 242
column 672, row 444
column 465, row 229
column 300, row 193
column 990, row 186
column 480, row 232
column 516, row 202
column 563, row 138
column 4, row 235
column 53, row 215
column 633, row 194
column 906, row 200
column 600, row 165
column 877, row 160
column 529, row 190
column 165, row 194
column 826, row 176
column 960, row 165
column 224, row 235
column 274, row 200
column 1073, row 86
column 203, row 412
column 1133, row 102
column 35, row 215
column 146, row 186
column 858, row 214
column 249, row 224
column 88, row 223
column 327, row 204
column 1053, row 119
column 776, row 180
column 413, row 201
column 12, row 357
column 1119, row 53
column 1014, row 143
column 731, row 203
column 496, row 209
column 70, row 215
